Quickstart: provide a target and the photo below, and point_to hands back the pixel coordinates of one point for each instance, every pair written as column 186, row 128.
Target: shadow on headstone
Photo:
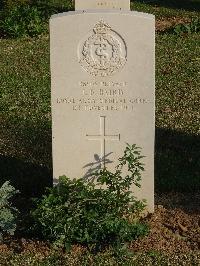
column 177, row 166
column 96, row 165
column 29, row 178
column 177, row 161
column 189, row 5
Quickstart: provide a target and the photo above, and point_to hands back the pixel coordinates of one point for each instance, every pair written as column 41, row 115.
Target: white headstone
column 102, row 75
column 102, row 4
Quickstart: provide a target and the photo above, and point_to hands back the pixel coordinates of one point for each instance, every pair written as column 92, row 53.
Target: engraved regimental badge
column 104, row 52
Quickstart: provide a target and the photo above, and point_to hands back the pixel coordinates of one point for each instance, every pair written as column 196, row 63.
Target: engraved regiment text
column 102, row 96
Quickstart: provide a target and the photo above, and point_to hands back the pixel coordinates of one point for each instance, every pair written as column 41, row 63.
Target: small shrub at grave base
column 77, row 211
column 8, row 214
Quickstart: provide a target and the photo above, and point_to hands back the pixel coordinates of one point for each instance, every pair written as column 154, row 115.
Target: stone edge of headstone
column 105, row 11
column 94, row 11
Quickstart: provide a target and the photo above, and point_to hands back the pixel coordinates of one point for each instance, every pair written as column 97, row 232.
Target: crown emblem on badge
column 103, row 52
column 101, row 27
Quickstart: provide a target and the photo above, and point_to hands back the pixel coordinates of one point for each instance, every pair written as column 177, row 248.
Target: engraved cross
column 103, row 137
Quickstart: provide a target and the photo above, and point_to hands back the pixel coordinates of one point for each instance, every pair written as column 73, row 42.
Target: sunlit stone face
column 102, row 78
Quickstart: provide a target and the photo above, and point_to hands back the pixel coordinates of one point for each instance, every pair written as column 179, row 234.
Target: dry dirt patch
column 166, row 23
column 175, row 225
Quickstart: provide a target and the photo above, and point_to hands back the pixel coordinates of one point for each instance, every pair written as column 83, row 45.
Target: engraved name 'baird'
column 103, row 92
column 104, row 52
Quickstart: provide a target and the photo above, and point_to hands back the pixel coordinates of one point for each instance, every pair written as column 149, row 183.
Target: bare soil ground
column 175, row 225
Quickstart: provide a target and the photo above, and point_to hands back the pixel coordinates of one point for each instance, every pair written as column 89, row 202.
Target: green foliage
column 21, row 18
column 167, row 8
column 9, row 4
column 78, row 211
column 22, row 21
column 50, row 7
column 185, row 29
column 105, row 258
column 7, row 211
column 189, row 28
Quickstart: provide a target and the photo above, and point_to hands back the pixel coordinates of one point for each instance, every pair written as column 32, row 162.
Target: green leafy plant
column 189, row 28
column 24, row 20
column 21, row 18
column 8, row 213
column 78, row 211
column 50, row 7
column 9, row 4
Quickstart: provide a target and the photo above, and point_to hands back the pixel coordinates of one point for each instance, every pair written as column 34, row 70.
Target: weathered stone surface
column 102, row 4
column 102, row 74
